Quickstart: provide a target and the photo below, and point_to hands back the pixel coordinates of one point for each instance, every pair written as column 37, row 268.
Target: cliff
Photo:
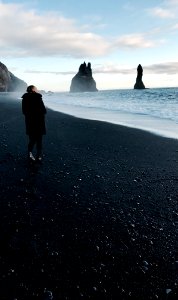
column 9, row 82
column 139, row 83
column 83, row 81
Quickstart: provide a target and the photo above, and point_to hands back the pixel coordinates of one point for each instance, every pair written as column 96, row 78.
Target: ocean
column 154, row 110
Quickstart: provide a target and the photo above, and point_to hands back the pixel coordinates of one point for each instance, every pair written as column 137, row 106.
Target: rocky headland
column 9, row 82
column 83, row 81
column 139, row 83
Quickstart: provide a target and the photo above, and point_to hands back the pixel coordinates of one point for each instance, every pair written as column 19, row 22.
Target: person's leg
column 39, row 146
column 31, row 145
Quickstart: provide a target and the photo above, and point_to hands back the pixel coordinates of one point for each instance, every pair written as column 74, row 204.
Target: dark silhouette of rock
column 4, row 78
column 9, row 82
column 139, row 83
column 83, row 80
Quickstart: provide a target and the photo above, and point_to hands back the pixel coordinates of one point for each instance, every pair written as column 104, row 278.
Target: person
column 34, row 110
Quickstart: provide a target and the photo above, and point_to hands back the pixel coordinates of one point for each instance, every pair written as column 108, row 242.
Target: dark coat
column 34, row 110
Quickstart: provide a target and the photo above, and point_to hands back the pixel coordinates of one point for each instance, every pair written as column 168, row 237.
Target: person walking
column 34, row 111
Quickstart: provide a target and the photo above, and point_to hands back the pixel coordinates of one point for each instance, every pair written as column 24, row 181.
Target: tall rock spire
column 139, row 83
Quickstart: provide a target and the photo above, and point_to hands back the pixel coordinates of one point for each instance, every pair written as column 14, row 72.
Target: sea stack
column 83, row 81
column 9, row 82
column 139, row 83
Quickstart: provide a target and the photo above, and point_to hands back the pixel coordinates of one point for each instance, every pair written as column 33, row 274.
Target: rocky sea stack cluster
column 139, row 83
column 9, row 82
column 83, row 80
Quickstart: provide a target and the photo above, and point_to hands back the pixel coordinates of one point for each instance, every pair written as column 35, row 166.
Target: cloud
column 113, row 69
column 169, row 68
column 175, row 27
column 162, row 12
column 33, row 34
column 134, row 41
column 50, row 72
column 27, row 33
column 167, row 10
column 172, row 2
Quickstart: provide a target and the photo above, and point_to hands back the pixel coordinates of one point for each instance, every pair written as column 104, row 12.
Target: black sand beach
column 98, row 219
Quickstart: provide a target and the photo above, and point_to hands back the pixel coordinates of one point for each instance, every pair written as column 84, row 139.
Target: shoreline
column 155, row 120
column 97, row 220
column 163, row 128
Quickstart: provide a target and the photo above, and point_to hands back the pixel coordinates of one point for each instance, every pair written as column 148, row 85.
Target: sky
column 44, row 42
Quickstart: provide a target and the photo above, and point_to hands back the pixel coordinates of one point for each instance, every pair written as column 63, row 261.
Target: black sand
column 97, row 220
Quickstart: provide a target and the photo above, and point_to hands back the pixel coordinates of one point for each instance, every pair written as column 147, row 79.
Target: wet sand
column 98, row 219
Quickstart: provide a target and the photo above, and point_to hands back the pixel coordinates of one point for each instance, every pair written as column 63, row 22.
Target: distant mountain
column 83, row 80
column 9, row 82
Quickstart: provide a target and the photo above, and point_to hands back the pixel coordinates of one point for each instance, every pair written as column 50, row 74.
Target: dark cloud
column 169, row 68
column 50, row 72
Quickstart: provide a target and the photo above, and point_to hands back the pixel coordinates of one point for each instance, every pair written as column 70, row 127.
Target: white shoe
column 31, row 157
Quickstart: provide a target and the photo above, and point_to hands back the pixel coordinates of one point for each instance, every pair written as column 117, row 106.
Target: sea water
column 153, row 110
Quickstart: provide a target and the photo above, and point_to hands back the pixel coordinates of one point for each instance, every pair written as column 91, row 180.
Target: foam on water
column 153, row 110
